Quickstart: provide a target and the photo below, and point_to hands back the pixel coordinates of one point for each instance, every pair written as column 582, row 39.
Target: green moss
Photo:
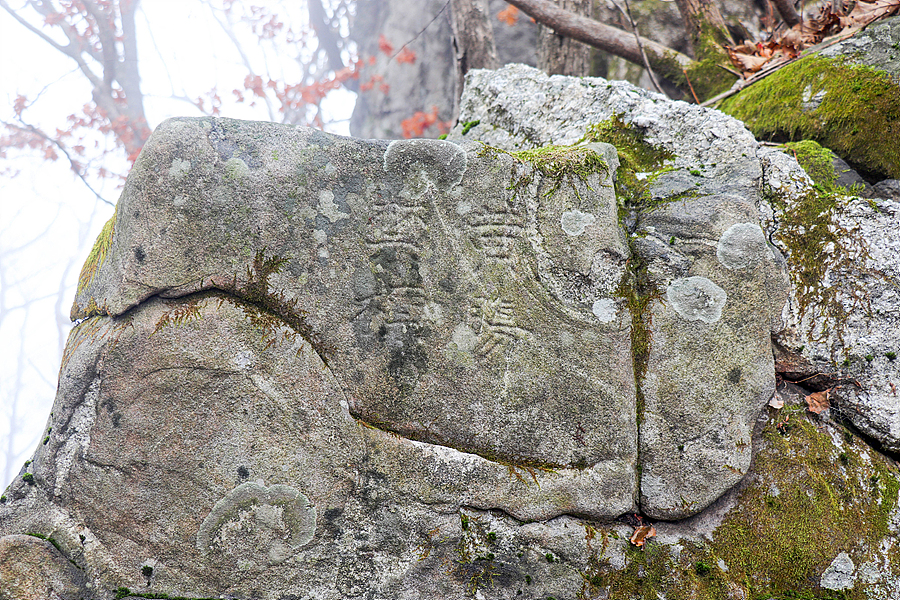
column 124, row 592
column 803, row 509
column 98, row 253
column 858, row 116
column 474, row 561
column 817, row 162
column 636, row 156
column 560, row 164
column 808, row 229
column 468, row 125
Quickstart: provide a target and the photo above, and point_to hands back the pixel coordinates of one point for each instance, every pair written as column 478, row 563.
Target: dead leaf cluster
column 834, row 19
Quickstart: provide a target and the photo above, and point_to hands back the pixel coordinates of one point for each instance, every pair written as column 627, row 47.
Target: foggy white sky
column 49, row 219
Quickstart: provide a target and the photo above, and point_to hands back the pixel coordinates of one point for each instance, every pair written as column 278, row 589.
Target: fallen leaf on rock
column 788, row 44
column 641, row 534
column 818, row 402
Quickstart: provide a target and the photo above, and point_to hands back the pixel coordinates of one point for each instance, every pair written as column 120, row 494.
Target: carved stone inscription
column 468, row 344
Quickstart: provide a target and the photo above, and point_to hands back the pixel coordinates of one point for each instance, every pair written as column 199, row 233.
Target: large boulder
column 314, row 366
column 843, row 333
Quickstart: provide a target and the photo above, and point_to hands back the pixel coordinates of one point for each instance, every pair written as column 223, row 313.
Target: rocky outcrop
column 314, row 366
column 842, row 336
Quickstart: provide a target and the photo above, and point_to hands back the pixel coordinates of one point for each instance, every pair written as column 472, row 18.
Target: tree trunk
column 704, row 24
column 560, row 55
column 473, row 40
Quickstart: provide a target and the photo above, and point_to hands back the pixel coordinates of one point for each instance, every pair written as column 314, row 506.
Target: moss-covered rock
column 839, row 97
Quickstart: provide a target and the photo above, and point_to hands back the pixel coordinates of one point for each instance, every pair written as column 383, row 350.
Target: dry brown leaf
column 818, row 402
column 867, row 12
column 641, row 534
column 747, row 63
column 802, row 35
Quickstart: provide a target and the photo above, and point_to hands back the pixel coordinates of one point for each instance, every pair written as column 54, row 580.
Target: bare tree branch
column 600, row 35
column 74, row 164
column 637, row 38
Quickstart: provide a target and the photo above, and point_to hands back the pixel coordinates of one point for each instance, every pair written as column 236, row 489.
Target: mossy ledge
column 558, row 164
column 98, row 253
column 266, row 310
column 852, row 109
column 817, row 490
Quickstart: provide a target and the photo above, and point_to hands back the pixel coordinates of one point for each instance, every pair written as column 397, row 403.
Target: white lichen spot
column 179, row 200
column 243, row 359
column 320, row 236
column 258, row 525
column 574, row 222
column 464, row 208
column 696, row 299
column 328, row 208
column 464, row 338
column 235, row 168
column 840, row 573
column 742, row 246
column 604, row 309
column 178, row 169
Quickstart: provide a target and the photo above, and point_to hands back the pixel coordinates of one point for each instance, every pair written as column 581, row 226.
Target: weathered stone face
column 449, row 291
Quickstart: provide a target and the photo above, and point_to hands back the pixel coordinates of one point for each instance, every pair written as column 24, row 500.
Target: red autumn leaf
column 509, row 15
column 384, row 45
column 406, row 56
column 641, row 533
column 818, row 402
column 19, row 104
column 416, row 125
column 254, row 83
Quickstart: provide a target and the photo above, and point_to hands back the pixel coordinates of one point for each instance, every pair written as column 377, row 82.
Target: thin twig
column 690, row 85
column 415, row 37
column 637, row 38
column 72, row 162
